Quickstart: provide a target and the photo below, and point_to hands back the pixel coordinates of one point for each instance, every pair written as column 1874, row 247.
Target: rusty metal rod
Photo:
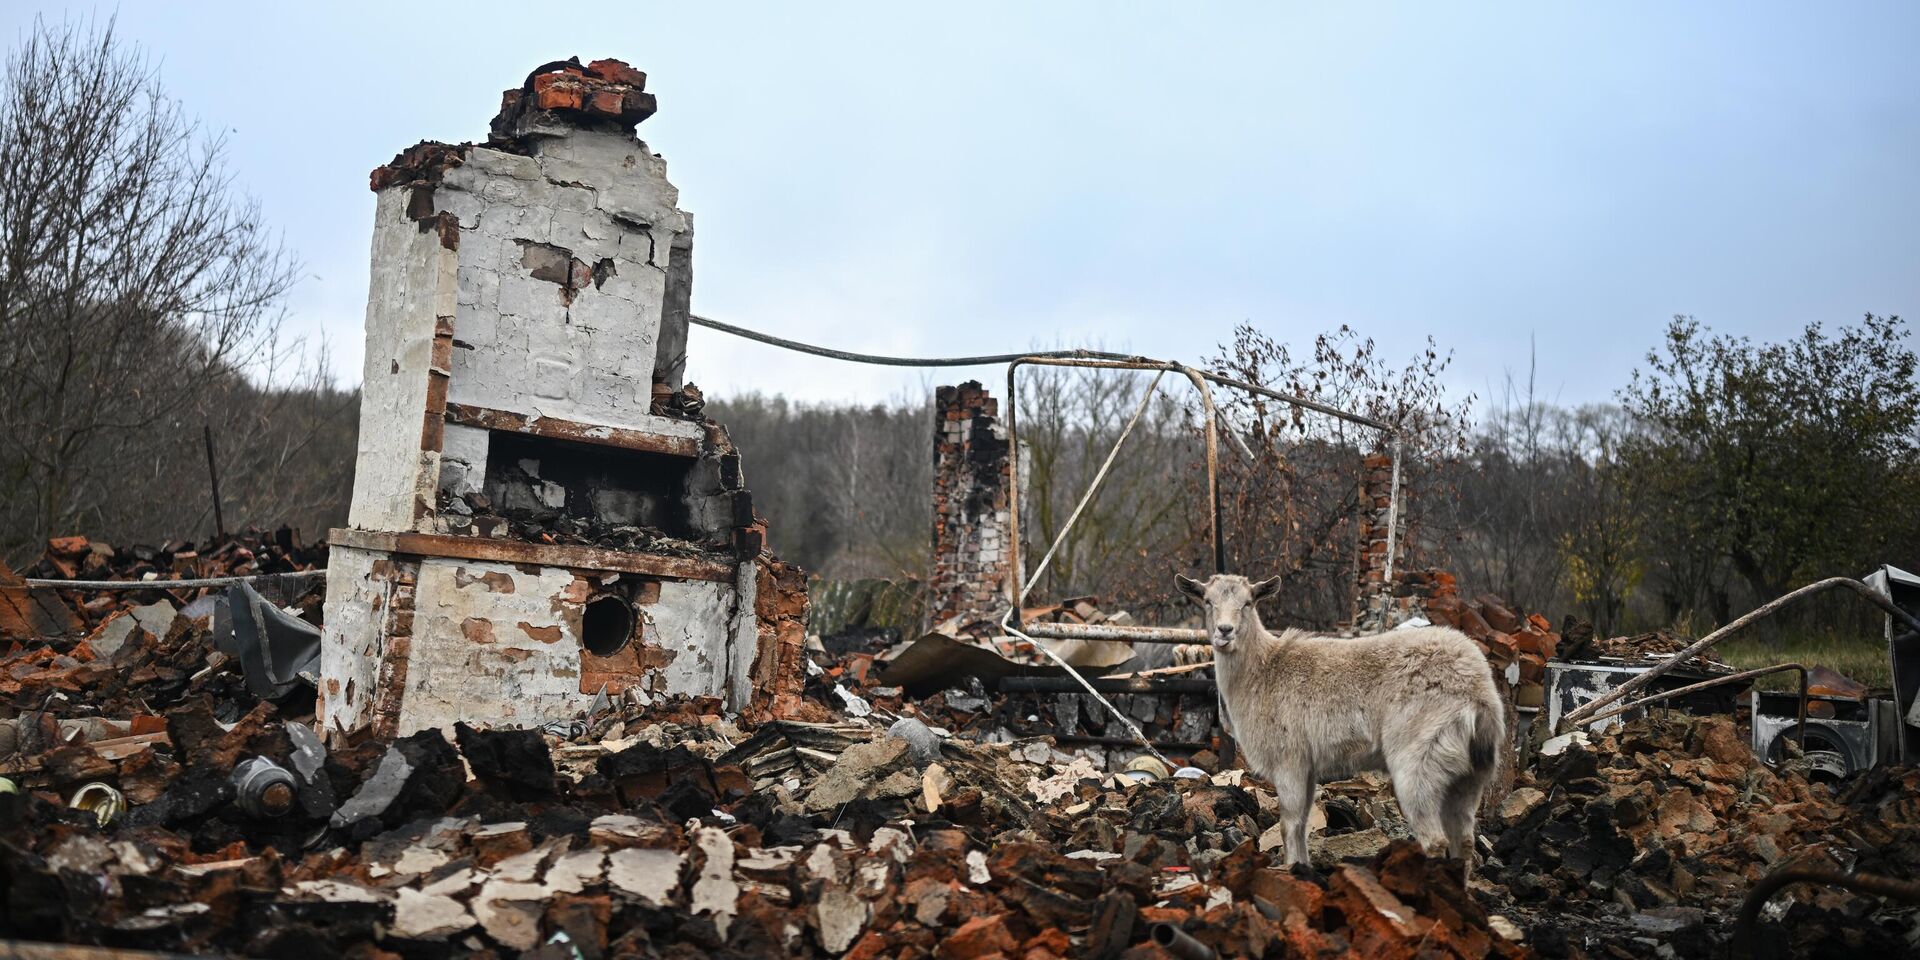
column 1114, row 631
column 1761, row 612
column 1800, row 733
column 1743, row 928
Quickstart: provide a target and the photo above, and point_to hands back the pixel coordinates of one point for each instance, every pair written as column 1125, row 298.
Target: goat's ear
column 1191, row 587
column 1266, row 588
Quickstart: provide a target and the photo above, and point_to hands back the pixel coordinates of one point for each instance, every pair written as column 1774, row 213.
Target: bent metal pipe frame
column 1015, row 584
column 1101, row 358
column 1200, row 379
column 1587, row 711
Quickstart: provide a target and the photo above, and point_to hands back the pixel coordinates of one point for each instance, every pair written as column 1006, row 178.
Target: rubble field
column 871, row 824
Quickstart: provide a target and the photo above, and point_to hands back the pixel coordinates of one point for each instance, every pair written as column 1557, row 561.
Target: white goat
column 1419, row 703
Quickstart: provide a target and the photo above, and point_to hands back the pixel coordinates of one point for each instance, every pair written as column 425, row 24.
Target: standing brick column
column 1376, row 605
column 972, row 519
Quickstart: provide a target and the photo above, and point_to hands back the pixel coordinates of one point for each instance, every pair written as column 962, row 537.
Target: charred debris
column 549, row 694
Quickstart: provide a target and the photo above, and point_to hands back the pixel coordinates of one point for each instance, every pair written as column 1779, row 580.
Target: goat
column 1418, row 702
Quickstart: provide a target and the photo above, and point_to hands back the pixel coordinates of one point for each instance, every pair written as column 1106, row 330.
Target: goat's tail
column 1487, row 730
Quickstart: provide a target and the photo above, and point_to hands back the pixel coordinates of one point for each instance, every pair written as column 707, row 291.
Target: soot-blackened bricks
column 972, row 516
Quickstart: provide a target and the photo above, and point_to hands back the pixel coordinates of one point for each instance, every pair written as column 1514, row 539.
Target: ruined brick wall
column 780, row 608
column 972, row 508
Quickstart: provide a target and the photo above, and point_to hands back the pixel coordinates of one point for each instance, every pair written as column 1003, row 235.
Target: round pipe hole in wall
column 607, row 625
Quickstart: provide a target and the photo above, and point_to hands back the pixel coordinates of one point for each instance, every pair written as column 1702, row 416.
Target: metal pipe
column 1176, row 941
column 1180, row 746
column 1006, row 623
column 1114, row 631
column 1634, row 685
column 170, row 584
column 1743, row 927
column 1393, row 515
column 34, row 950
column 1800, row 733
column 1156, row 688
column 1303, row 403
column 1213, row 469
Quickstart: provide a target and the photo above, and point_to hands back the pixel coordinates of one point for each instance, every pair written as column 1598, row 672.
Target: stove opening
column 585, row 488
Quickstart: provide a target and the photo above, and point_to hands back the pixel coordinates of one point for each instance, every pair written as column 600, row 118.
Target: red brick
column 1289, row 893
column 617, row 71
column 604, row 102
column 558, row 91
column 873, row 944
column 977, row 938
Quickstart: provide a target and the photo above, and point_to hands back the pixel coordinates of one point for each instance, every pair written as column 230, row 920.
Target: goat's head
column 1229, row 601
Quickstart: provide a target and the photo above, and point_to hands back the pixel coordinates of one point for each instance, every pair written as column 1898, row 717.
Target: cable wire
column 998, row 358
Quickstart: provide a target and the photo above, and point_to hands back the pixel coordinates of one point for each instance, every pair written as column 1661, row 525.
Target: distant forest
column 142, row 302
column 1725, row 473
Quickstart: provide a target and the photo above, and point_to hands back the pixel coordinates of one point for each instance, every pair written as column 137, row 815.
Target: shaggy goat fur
column 1418, row 702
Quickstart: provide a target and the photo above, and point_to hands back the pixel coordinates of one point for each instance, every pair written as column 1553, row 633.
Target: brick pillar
column 1376, row 606
column 972, row 519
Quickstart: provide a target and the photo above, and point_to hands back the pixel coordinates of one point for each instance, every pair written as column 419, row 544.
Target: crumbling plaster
column 501, row 643
column 582, row 347
column 412, row 283
column 353, row 641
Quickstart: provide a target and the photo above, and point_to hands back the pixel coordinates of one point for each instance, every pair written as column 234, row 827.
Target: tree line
column 141, row 309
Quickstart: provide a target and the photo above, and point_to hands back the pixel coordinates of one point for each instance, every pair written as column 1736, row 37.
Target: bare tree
column 137, row 287
column 1070, row 419
column 846, row 489
column 1289, row 507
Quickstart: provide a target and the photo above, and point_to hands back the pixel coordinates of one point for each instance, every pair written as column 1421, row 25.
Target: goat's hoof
column 1305, row 871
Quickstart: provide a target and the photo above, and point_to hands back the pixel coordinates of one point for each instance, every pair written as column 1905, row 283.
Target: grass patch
column 1862, row 658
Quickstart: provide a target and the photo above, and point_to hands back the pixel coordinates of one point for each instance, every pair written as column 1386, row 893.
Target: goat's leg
column 1457, row 812
column 1421, row 795
column 1296, row 809
column 1293, row 790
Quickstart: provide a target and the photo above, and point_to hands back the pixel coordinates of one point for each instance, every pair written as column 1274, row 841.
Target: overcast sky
column 982, row 177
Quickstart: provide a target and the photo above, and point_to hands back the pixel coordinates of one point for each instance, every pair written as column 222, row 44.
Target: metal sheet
column 937, row 661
